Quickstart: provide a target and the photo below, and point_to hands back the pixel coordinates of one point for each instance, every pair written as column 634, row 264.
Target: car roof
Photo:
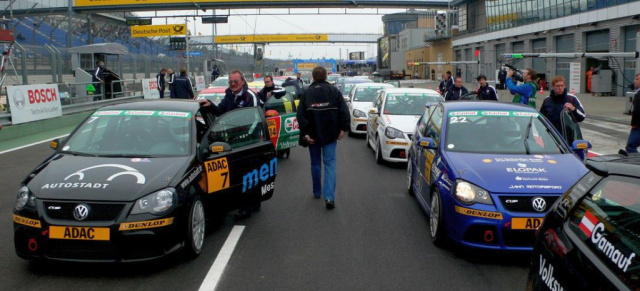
column 358, row 85
column 615, row 165
column 409, row 90
column 164, row 105
column 357, row 80
column 485, row 105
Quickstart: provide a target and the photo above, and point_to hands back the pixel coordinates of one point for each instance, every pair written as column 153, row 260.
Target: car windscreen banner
column 150, row 89
column 200, row 83
column 34, row 102
column 178, row 114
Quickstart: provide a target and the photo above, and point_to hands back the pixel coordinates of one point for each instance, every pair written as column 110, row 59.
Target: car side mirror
column 347, row 99
column 427, row 143
column 373, row 111
column 219, row 147
column 55, row 144
column 580, row 148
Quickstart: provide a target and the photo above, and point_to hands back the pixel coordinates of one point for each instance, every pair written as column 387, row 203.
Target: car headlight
column 468, row 193
column 25, row 198
column 155, row 203
column 391, row 132
column 359, row 113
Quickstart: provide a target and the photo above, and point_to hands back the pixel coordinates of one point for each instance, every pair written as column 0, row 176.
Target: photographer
column 525, row 93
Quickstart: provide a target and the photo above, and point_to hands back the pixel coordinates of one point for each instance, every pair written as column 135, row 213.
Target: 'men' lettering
column 266, row 171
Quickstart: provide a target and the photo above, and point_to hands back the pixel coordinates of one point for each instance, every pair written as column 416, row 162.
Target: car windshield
column 135, row 133
column 220, row 82
column 500, row 132
column 347, row 88
column 213, row 97
column 366, row 94
column 408, row 103
column 607, row 220
column 331, row 78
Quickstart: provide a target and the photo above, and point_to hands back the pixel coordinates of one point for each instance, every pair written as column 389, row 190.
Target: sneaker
column 330, row 204
column 241, row 214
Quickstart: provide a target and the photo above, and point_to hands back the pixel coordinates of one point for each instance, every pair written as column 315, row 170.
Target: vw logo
column 539, row 204
column 19, row 99
column 81, row 212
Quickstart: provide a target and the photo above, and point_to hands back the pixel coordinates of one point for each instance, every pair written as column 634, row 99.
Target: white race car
column 359, row 101
column 392, row 119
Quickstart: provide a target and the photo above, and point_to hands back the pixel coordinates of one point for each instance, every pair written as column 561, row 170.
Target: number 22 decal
column 458, row 119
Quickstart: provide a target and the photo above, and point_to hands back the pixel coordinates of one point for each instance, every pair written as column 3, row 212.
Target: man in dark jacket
column 559, row 100
column 486, row 91
column 98, row 78
column 171, row 76
column 182, row 86
column 634, row 136
column 270, row 90
column 160, row 81
column 323, row 118
column 502, row 77
column 456, row 91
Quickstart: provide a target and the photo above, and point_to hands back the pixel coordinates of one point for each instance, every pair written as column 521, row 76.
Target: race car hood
column 69, row 177
column 518, row 173
column 404, row 123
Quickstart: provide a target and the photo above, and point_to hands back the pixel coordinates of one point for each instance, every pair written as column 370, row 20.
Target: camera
column 517, row 74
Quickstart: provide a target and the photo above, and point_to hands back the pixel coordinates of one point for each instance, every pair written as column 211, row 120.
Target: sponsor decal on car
column 493, row 113
column 26, row 221
column 479, row 213
column 397, row 143
column 519, row 160
column 146, row 224
column 79, row 233
column 142, row 113
column 525, row 222
column 127, row 171
column 594, row 229
column 291, row 124
column 196, row 173
column 217, row 174
column 526, row 170
column 546, row 274
column 521, row 178
column 360, row 119
column 263, row 173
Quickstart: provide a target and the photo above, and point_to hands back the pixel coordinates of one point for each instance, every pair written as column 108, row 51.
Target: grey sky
column 290, row 24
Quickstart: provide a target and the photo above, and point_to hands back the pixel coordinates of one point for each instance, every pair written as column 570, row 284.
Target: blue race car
column 487, row 172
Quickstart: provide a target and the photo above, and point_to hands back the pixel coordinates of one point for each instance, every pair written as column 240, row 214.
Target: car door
column 372, row 119
column 239, row 158
column 282, row 123
column 427, row 157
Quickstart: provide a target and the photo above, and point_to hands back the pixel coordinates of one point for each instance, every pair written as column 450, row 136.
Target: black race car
column 590, row 240
column 137, row 181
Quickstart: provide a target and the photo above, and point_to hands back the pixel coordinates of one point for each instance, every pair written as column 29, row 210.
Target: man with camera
column 525, row 93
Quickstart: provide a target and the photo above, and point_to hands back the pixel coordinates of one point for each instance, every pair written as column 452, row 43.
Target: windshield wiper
column 79, row 154
column 526, row 136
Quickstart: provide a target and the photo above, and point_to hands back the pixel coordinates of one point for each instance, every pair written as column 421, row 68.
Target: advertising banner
column 575, row 75
column 200, row 85
column 271, row 38
column 158, row 30
column 34, row 102
column 150, row 89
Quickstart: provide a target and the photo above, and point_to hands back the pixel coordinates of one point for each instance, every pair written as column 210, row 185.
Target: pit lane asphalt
column 377, row 238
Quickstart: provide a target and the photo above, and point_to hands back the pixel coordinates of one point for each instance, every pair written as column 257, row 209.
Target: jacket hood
column 542, row 174
column 68, row 177
column 558, row 98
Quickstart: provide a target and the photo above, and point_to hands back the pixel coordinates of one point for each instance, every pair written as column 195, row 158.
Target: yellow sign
column 525, row 223
column 307, row 65
column 478, row 213
column 79, row 233
column 217, row 149
column 158, row 30
column 146, row 224
column 271, row 38
column 88, row 3
column 217, row 175
column 26, row 221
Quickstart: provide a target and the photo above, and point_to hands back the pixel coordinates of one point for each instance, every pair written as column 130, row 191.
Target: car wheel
column 410, row 177
column 436, row 219
column 379, row 159
column 196, row 228
column 350, row 133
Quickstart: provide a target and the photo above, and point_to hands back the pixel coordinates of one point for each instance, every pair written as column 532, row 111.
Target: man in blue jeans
column 634, row 136
column 323, row 118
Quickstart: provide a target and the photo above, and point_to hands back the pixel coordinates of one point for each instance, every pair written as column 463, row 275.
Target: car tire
column 436, row 219
column 410, row 177
column 350, row 133
column 379, row 158
column 195, row 228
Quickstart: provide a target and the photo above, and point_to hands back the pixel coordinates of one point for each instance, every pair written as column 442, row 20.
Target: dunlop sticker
column 146, row 224
column 26, row 221
column 478, row 213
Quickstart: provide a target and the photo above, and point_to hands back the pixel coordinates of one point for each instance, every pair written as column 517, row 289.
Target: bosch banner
column 150, row 89
column 34, row 102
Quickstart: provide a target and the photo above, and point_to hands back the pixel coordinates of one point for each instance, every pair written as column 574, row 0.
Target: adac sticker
column 217, row 175
column 273, row 124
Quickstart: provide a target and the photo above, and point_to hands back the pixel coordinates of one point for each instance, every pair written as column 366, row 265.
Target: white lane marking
column 213, row 277
column 32, row 144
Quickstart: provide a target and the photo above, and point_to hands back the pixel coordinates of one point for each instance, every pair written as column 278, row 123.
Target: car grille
column 97, row 211
column 525, row 203
column 82, row 250
column 518, row 237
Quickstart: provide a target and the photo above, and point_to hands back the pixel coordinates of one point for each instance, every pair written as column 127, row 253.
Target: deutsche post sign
column 271, row 38
column 89, row 3
column 158, row 30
